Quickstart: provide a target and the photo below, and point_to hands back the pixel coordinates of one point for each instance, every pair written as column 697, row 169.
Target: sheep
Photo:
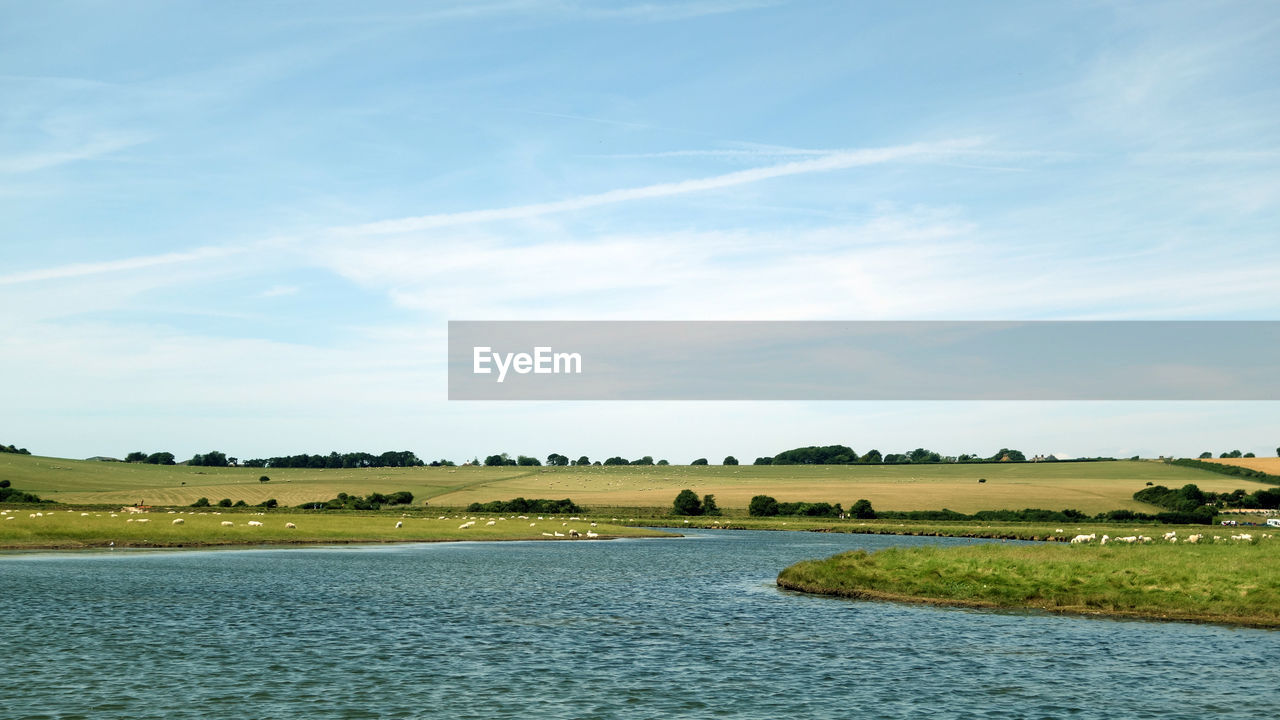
column 227, row 523
column 82, row 514
column 547, row 534
column 533, row 524
column 491, row 522
column 1129, row 539
column 178, row 521
column 1194, row 538
column 142, row 520
column 399, row 524
column 1243, row 536
column 10, row 517
column 291, row 526
column 1144, row 538
column 559, row 534
column 1171, row 536
column 254, row 523
column 593, row 534
column 466, row 524
column 593, row 524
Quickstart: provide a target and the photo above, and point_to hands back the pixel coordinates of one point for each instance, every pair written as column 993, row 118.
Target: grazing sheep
column 82, row 514
column 466, row 524
column 9, row 517
column 142, row 520
column 593, row 534
column 1144, row 538
column 1243, row 536
column 491, row 522
column 399, row 524
column 227, row 523
column 574, row 533
column 1171, row 536
column 1130, row 539
column 254, row 523
column 533, row 524
column 291, row 526
column 1194, row 538
column 593, row 524
column 178, row 521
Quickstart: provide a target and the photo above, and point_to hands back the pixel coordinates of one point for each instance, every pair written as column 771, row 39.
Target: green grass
column 77, row 529
column 1088, row 487
column 1223, row 582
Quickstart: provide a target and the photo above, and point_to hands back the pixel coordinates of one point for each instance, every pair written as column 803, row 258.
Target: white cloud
column 834, row 161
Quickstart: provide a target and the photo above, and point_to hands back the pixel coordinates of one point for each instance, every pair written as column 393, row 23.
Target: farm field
column 1088, row 487
column 67, row 529
column 1270, row 465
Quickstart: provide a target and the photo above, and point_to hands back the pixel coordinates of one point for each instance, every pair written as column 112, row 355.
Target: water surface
column 687, row 628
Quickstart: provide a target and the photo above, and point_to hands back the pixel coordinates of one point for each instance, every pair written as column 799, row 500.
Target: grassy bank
column 1225, row 582
column 1060, row 532
column 76, row 529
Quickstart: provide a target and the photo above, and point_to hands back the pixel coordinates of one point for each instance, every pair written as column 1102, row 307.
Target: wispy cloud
column 74, row 270
column 96, row 147
column 827, row 163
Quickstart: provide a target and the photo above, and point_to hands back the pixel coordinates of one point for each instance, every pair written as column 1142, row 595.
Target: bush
column 224, row 502
column 709, row 505
column 862, row 510
column 521, row 505
column 763, row 506
column 699, row 461
column 241, row 503
column 14, row 495
column 687, row 503
column 264, row 478
column 201, row 502
column 269, row 503
column 730, row 460
column 4, row 483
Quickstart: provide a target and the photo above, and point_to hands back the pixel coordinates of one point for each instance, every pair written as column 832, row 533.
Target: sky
column 244, row 226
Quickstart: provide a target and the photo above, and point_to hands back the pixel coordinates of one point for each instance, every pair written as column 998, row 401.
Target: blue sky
column 244, row 225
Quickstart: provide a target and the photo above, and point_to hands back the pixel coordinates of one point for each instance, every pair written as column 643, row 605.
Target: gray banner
column 1043, row 360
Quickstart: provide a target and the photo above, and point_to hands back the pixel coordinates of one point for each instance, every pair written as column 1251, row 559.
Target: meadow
column 1089, row 487
column 70, row 529
column 1224, row 582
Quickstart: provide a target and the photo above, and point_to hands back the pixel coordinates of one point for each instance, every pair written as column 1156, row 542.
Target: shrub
column 862, row 509
column 269, row 503
column 687, row 503
column 201, row 502
column 763, row 506
column 264, row 478
column 521, row 505
column 709, row 505
column 224, row 502
column 730, row 460
column 699, row 461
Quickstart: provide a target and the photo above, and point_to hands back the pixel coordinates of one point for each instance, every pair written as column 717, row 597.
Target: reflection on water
column 687, row 628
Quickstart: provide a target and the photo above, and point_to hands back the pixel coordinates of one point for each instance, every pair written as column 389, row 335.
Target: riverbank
column 1046, row 532
column 1236, row 583
column 32, row 529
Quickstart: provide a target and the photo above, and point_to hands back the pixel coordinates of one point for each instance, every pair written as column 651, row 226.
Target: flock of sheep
column 1171, row 536
column 572, row 532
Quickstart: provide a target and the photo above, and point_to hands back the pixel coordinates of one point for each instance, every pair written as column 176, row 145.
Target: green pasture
column 1088, row 487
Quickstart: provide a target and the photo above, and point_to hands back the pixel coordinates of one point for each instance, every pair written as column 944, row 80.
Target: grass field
column 1226, row 582
column 75, row 529
column 1088, row 487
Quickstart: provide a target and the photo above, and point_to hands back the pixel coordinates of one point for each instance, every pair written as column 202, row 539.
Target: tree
column 873, row 457
column 1206, row 455
column 224, row 502
column 646, row 460
column 160, row 458
column 557, row 460
column 709, row 505
column 527, row 461
column 1250, row 455
column 763, row 461
column 699, row 461
column 615, row 460
column 862, row 510
column 763, row 506
column 136, row 456
column 687, row 503
column 584, row 460
column 498, row 460
column 730, row 460
column 271, row 503
column 201, row 502
column 663, row 462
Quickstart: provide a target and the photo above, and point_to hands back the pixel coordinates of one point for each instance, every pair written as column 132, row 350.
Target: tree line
column 14, row 449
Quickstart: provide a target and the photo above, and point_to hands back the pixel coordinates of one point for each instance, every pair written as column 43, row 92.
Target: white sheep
column 559, row 534
column 1194, row 538
column 178, row 521
column 9, row 518
column 227, row 523
column 466, row 524
column 291, row 526
column 593, row 534
column 142, row 520
column 491, row 522
column 254, row 523
column 399, row 525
